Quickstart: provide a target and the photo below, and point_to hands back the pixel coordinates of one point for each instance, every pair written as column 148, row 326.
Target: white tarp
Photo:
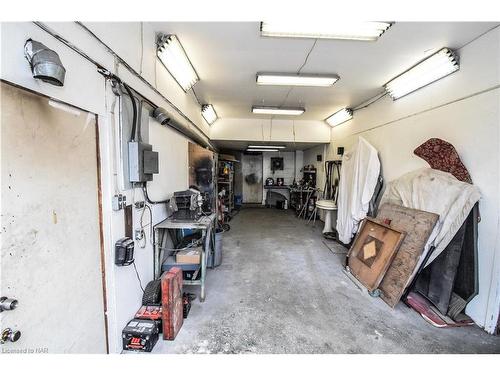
column 358, row 178
column 439, row 192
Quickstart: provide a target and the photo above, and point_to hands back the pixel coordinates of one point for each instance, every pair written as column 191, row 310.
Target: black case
column 140, row 335
column 124, row 251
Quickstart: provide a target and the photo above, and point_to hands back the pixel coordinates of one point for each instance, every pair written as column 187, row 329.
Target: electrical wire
column 138, row 277
column 146, row 196
column 125, row 64
column 133, row 133
column 370, row 101
column 308, row 54
column 299, row 70
column 150, row 224
column 104, row 71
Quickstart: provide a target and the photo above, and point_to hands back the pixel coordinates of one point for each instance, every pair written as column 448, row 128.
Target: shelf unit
column 225, row 180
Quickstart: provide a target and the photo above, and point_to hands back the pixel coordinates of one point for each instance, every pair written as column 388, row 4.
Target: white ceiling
column 227, row 55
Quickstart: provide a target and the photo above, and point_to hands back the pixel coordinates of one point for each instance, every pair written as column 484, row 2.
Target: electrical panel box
column 150, row 162
column 142, row 161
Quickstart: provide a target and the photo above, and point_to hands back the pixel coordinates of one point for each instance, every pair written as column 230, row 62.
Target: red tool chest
column 171, row 300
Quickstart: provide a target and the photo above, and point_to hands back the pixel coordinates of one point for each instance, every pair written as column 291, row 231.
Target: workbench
column 282, row 190
column 163, row 255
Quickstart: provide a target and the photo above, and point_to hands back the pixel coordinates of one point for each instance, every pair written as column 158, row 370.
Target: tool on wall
column 332, row 177
column 8, row 334
column 7, row 304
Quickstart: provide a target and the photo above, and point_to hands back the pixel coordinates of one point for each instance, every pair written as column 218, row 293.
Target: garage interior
column 250, row 187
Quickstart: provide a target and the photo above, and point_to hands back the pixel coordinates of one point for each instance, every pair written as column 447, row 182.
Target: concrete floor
column 280, row 289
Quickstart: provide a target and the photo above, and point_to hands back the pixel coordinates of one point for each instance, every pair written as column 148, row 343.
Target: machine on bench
column 187, row 205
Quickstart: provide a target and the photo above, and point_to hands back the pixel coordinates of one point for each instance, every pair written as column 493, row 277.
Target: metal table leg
column 203, row 273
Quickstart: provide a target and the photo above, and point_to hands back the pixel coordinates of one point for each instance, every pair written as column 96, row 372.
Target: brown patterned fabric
column 442, row 155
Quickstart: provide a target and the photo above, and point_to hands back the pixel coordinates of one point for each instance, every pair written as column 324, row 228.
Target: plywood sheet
column 372, row 251
column 418, row 226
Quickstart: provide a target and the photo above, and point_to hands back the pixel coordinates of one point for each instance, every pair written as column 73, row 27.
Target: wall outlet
column 139, row 234
column 119, row 202
column 140, row 204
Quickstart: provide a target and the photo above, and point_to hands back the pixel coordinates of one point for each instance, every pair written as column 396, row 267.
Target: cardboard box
column 191, row 256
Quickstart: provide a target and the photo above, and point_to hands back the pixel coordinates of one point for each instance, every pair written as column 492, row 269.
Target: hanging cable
column 138, row 277
column 150, row 224
column 370, row 101
column 299, row 70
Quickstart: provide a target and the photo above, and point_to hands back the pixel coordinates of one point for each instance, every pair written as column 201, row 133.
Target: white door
column 51, row 252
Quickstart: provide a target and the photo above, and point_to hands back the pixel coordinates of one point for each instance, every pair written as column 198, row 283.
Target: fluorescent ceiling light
column 174, row 58
column 339, row 117
column 435, row 67
column 261, row 150
column 64, row 107
column 325, row 30
column 264, row 146
column 283, row 79
column 278, row 111
column 208, row 113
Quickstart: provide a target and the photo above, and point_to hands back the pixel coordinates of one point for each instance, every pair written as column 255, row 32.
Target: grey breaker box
column 142, row 162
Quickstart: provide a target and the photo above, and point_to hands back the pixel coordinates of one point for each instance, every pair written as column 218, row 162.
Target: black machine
column 140, row 335
column 124, row 251
column 187, row 205
column 309, row 173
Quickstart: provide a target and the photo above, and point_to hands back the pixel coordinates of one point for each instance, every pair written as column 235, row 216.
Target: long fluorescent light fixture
column 369, row 31
column 208, row 113
column 261, row 150
column 283, row 79
column 278, row 111
column 175, row 60
column 433, row 68
column 339, row 117
column 264, row 146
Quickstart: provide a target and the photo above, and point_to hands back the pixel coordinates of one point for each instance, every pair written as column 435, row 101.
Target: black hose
column 134, row 111
column 146, row 196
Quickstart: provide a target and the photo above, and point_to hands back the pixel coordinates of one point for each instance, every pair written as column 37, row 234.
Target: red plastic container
column 171, row 300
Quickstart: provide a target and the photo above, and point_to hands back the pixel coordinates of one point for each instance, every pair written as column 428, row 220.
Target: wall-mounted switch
column 119, row 202
column 140, row 204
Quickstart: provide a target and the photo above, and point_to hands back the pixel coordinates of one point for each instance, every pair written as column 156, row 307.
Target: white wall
column 85, row 88
column 455, row 110
column 288, row 172
column 310, row 158
column 270, row 130
column 122, row 284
